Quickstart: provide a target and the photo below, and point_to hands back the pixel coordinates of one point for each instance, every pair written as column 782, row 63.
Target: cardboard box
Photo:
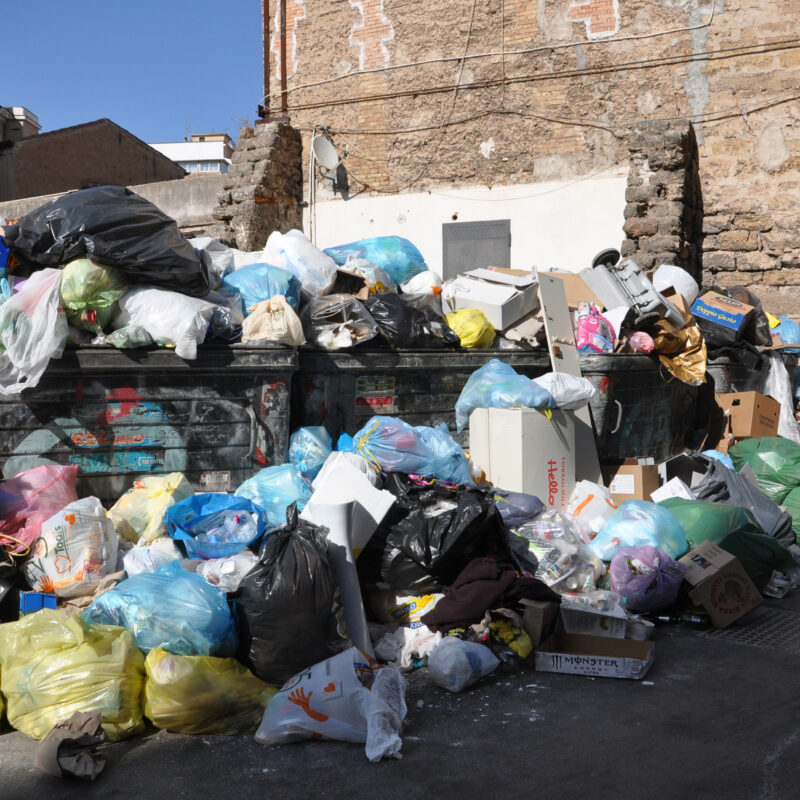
column 576, row 290
column 502, row 295
column 722, row 319
column 751, row 415
column 720, row 584
column 631, row 480
column 598, row 656
column 539, row 619
column 581, row 619
column 522, row 450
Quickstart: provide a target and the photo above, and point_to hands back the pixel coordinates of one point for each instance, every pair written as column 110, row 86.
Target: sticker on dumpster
column 375, row 394
column 219, row 481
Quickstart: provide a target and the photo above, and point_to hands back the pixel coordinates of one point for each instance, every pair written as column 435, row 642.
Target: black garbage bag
column 404, row 325
column 723, row 485
column 288, row 604
column 115, row 227
column 337, row 322
column 430, row 534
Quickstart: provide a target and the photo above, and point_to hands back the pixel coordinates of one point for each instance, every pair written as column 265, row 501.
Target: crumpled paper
column 68, row 750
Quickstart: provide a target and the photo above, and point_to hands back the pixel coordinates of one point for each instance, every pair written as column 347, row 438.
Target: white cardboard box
column 504, row 298
column 598, row 656
column 522, row 450
column 577, row 618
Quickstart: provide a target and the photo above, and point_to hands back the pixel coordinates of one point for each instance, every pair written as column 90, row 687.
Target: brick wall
column 568, row 108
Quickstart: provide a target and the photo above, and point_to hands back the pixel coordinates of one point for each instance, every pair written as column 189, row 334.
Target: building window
column 209, row 166
column 189, row 166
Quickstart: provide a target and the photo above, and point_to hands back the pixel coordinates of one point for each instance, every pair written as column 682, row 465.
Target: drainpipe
column 284, row 96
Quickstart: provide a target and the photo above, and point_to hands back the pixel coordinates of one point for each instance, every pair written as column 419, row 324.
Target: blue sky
column 160, row 69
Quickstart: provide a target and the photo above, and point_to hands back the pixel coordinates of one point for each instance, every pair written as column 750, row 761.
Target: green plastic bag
column 89, row 293
column 775, row 462
column 792, row 504
column 734, row 529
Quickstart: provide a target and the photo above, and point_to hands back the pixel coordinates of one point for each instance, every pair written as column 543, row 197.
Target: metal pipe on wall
column 284, row 93
column 263, row 110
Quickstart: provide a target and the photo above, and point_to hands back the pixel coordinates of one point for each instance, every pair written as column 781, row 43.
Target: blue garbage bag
column 257, row 282
column 308, row 449
column 498, row 385
column 215, row 525
column 396, row 256
column 789, row 331
column 636, row 523
column 275, row 489
column 392, row 445
column 170, row 608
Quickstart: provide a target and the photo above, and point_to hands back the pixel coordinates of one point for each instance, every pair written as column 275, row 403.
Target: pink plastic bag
column 648, row 579
column 31, row 498
column 641, row 342
column 593, row 333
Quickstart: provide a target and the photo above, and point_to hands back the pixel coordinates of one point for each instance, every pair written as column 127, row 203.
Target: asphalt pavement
column 713, row 718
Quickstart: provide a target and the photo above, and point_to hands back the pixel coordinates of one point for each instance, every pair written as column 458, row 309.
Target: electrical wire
column 503, row 52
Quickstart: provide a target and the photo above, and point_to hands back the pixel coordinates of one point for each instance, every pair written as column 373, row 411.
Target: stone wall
column 263, row 189
column 557, row 91
column 664, row 202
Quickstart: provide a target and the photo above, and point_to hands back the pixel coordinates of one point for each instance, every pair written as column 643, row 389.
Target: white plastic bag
column 77, row 548
column 218, row 258
column 169, row 317
column 455, row 664
column 569, row 391
column 294, row 252
column 150, row 557
column 33, row 329
column 227, row 573
column 273, row 320
column 422, row 283
column 592, row 504
column 779, row 387
column 344, row 699
column 402, row 646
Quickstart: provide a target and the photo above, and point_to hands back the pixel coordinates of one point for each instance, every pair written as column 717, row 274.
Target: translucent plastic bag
column 498, row 385
column 54, row 665
column 427, row 282
column 169, row 317
column 217, row 258
column 397, row 256
column 309, row 448
column 89, row 293
column 76, row 549
column 592, row 504
column 227, row 573
column 337, row 321
column 273, row 320
column 275, row 489
column 150, row 557
column 139, row 513
column 30, row 499
column 392, row 445
column 33, row 329
column 455, row 664
column 403, row 325
column 636, row 523
column 377, row 279
column 471, row 327
column 775, row 462
column 348, row 698
column 648, row 579
column 789, row 332
column 568, row 391
column 170, row 608
column 203, row 695
column 215, row 525
column 295, row 253
column 258, row 282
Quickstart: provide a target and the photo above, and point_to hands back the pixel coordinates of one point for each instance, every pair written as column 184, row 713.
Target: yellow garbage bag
column 54, row 665
column 140, row 511
column 202, row 694
column 472, row 327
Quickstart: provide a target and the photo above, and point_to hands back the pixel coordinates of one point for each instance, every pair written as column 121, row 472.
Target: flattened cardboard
column 597, row 656
column 576, row 290
column 631, row 481
column 720, row 584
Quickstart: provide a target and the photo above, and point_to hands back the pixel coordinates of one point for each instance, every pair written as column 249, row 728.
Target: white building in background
column 204, row 153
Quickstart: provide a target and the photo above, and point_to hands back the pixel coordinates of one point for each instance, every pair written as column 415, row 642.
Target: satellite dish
column 324, row 152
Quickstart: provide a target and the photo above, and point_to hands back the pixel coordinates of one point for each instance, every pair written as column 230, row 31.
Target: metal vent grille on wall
column 467, row 245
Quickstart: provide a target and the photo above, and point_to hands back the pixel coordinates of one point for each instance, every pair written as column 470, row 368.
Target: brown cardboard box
column 751, row 415
column 576, row 290
column 539, row 619
column 631, row 480
column 720, row 584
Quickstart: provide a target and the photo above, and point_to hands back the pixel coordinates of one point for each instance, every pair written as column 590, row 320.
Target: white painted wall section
column 556, row 224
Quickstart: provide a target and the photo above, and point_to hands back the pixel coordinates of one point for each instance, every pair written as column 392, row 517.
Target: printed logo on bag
column 552, row 483
column 62, row 564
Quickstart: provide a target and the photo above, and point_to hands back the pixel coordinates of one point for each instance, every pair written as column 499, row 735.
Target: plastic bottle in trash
column 230, row 526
